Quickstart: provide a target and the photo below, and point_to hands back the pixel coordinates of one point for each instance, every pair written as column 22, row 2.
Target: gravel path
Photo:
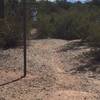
column 48, row 73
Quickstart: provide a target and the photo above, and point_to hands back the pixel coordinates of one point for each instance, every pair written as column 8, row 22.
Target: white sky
column 72, row 0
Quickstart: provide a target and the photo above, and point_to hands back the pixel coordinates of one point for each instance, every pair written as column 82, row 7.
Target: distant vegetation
column 70, row 21
column 11, row 25
column 54, row 20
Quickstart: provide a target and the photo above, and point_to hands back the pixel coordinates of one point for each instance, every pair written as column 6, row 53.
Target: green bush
column 55, row 20
column 79, row 21
column 9, row 35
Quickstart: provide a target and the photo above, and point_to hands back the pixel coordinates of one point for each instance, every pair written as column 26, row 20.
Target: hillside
column 52, row 72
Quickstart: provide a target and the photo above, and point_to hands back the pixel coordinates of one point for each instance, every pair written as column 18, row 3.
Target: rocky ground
column 52, row 72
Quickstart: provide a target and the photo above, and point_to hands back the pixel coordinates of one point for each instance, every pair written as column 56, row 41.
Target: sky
column 73, row 0
column 77, row 0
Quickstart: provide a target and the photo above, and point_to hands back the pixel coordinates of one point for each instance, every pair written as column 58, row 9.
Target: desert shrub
column 11, row 26
column 69, row 21
column 55, row 20
column 64, row 23
column 10, row 35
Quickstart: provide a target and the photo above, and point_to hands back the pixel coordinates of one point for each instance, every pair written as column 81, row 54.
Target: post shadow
column 15, row 80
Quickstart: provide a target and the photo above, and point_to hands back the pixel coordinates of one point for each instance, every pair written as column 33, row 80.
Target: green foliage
column 11, row 25
column 54, row 20
column 78, row 21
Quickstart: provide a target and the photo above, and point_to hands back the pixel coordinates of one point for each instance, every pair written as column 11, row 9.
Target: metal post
column 24, row 35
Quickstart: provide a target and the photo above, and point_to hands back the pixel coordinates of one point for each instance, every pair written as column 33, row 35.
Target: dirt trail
column 47, row 78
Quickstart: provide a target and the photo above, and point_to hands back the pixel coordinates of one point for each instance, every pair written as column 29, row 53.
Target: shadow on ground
column 89, row 61
column 73, row 46
column 15, row 80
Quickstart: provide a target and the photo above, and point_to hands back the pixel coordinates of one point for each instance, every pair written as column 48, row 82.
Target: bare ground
column 51, row 73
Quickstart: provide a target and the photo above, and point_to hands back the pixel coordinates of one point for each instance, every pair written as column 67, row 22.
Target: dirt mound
column 72, row 95
column 48, row 73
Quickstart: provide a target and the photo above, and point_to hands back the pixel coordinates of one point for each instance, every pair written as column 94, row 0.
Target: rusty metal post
column 24, row 36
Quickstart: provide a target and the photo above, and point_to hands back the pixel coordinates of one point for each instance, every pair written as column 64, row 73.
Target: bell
column 1, row 8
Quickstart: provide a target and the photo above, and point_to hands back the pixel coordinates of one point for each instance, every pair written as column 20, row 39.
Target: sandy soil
column 49, row 73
